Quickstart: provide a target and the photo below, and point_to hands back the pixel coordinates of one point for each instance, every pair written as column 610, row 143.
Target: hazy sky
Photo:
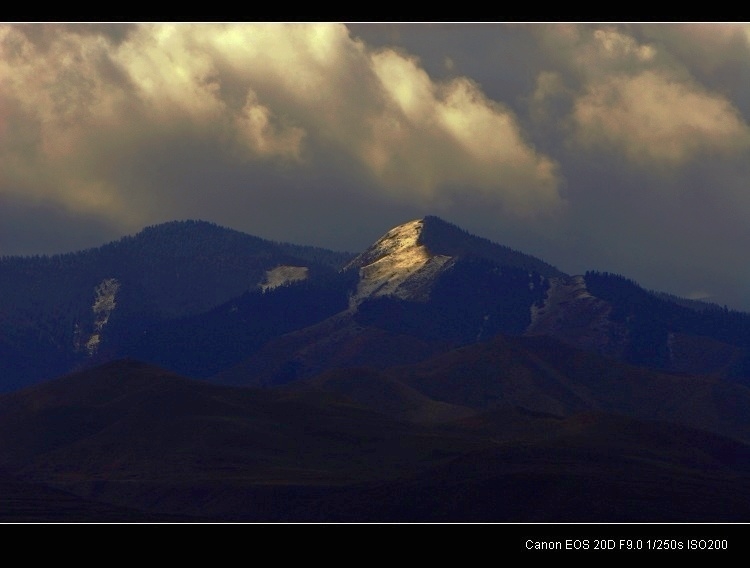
column 618, row 147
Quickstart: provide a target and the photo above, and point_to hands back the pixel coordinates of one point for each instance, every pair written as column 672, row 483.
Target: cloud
column 705, row 49
column 263, row 134
column 653, row 118
column 610, row 50
column 550, row 101
column 586, row 52
column 449, row 133
column 717, row 55
column 83, row 108
column 632, row 93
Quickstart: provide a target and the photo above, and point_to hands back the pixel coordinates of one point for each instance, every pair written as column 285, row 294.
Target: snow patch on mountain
column 397, row 265
column 282, row 275
column 572, row 314
column 104, row 304
column 562, row 295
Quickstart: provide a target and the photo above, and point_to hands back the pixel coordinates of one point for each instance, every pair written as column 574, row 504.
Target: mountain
column 407, row 260
column 337, row 342
column 134, row 435
column 210, row 302
column 74, row 309
column 544, row 375
column 204, row 344
column 430, row 278
column 423, row 287
column 670, row 335
column 204, row 374
column 130, row 441
column 199, row 298
column 427, row 286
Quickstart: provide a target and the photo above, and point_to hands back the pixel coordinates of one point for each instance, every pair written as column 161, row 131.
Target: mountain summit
column 406, row 261
column 398, row 264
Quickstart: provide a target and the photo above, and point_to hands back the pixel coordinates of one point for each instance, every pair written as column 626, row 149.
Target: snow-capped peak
column 397, row 265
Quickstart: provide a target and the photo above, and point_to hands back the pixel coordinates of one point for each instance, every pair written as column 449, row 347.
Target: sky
column 615, row 147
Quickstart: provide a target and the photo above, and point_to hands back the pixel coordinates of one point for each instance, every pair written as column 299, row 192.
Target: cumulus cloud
column 263, row 134
column 430, row 134
column 653, row 118
column 584, row 52
column 611, row 49
column 703, row 48
column 637, row 97
column 82, row 107
column 717, row 55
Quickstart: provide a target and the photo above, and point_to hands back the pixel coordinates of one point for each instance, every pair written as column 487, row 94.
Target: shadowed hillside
column 129, row 441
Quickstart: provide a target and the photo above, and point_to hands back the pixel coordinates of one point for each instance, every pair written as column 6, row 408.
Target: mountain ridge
column 65, row 310
column 175, row 291
column 406, row 260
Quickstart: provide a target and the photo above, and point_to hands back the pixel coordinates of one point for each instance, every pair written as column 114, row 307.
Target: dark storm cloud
column 616, row 147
